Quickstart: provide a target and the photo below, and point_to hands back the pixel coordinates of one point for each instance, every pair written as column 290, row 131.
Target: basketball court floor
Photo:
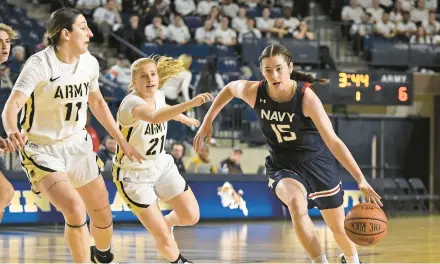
column 409, row 240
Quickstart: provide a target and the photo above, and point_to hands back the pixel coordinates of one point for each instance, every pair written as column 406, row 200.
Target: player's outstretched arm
column 245, row 90
column 313, row 108
column 189, row 121
column 100, row 110
column 149, row 114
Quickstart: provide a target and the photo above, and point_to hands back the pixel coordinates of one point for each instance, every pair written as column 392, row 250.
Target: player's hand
column 191, row 122
column 5, row 145
column 201, row 99
column 17, row 140
column 130, row 151
column 370, row 193
column 205, row 131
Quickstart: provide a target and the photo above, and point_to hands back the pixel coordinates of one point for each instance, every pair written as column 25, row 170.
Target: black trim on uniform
column 36, row 165
column 31, row 118
column 23, row 121
column 125, row 194
column 186, row 187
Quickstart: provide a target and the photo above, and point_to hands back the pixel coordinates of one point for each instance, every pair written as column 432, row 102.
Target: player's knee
column 192, row 218
column 74, row 212
column 297, row 206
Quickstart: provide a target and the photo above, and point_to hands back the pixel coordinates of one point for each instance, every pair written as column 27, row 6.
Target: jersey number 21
column 154, row 143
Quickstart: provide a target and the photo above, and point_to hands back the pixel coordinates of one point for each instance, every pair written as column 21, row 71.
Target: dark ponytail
column 306, row 77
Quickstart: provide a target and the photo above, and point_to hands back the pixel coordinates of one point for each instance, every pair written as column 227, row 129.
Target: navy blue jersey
column 291, row 136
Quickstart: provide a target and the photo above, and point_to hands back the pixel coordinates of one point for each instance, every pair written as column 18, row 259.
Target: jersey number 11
column 69, row 111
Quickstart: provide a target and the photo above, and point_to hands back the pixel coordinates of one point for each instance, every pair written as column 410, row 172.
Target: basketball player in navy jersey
column 301, row 168
column 7, row 35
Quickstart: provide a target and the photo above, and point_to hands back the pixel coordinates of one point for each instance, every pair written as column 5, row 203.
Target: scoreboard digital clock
column 366, row 88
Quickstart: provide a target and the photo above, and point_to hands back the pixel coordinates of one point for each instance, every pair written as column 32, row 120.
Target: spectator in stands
column 159, row 8
column 387, row 5
column 385, row 28
column 156, row 32
column 215, row 17
column 229, row 8
column 121, row 72
column 407, row 5
column 208, row 81
column 406, row 28
column 283, row 31
column 107, row 152
column 396, row 12
column 432, row 26
column 185, row 7
column 201, row 162
column 178, row 32
column 250, row 3
column 93, row 134
column 231, row 165
column 361, row 30
column 420, row 13
column 291, row 22
column 431, row 5
column 304, row 32
column 178, row 152
column 16, row 63
column 88, row 6
column 205, row 34
column 250, row 32
column 107, row 18
column 5, row 78
column 179, row 84
column 239, row 22
column 133, row 34
column 375, row 10
column 265, row 23
column 352, row 12
column 44, row 43
column 204, row 7
column 225, row 35
column 421, row 37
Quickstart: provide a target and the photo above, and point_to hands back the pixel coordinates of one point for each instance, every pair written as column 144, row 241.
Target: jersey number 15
column 283, row 133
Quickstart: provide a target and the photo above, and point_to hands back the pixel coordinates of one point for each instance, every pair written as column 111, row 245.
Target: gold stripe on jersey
column 28, row 116
column 126, row 132
column 34, row 171
column 134, row 206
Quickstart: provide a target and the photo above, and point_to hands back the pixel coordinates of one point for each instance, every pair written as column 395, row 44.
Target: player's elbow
column 334, row 143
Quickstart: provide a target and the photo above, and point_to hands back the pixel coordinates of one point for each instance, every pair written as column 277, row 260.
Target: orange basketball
column 366, row 224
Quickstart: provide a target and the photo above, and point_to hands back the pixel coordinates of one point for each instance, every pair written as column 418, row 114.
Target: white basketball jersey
column 58, row 95
column 148, row 139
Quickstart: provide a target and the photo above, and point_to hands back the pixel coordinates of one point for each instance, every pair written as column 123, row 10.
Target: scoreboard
column 365, row 88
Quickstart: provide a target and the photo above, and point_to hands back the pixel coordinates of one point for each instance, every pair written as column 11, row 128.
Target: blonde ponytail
column 167, row 68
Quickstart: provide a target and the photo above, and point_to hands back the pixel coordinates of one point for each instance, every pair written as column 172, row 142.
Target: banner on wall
column 218, row 199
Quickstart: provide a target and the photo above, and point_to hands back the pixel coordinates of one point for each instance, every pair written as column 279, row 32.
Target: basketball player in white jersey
column 55, row 87
column 142, row 118
column 7, row 35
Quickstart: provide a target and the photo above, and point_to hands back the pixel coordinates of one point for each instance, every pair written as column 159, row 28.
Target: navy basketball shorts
column 319, row 175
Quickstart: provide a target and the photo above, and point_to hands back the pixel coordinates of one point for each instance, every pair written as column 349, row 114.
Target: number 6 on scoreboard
column 278, row 129
column 403, row 94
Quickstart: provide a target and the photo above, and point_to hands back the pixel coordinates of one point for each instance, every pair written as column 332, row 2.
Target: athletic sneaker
column 98, row 259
